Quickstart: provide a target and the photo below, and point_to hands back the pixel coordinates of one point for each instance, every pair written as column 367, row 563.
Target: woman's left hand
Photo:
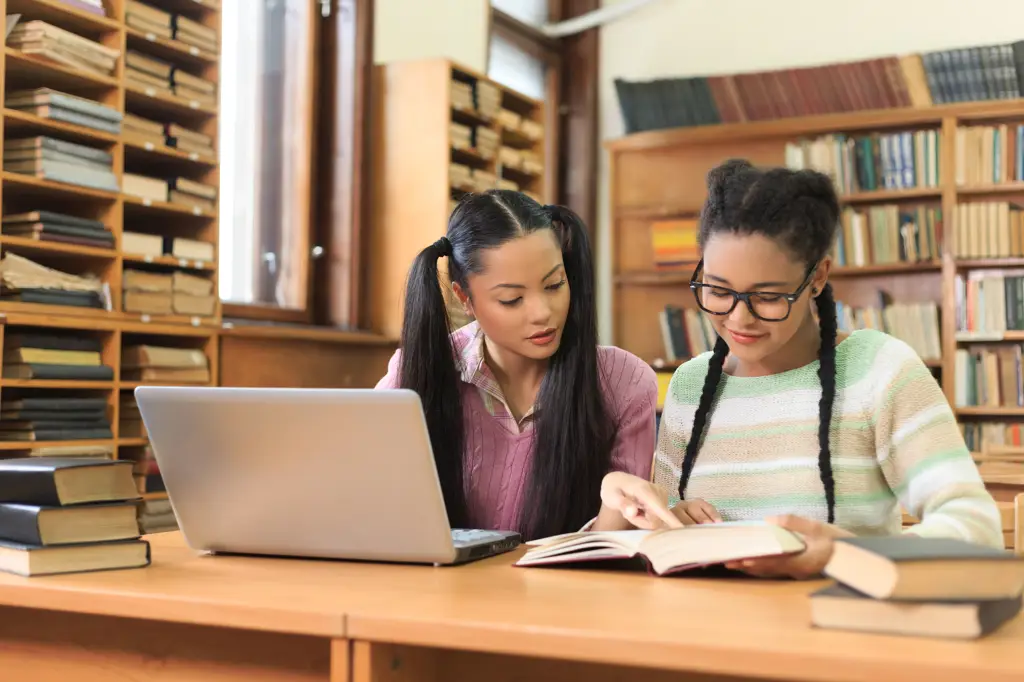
column 818, row 538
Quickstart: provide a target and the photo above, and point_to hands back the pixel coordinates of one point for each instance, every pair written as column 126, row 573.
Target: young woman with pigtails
column 526, row 412
column 825, row 433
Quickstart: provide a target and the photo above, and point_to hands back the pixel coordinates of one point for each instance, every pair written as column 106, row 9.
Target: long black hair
column 800, row 210
column 573, row 434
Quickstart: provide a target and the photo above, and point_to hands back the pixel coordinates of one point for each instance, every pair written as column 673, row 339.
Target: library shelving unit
column 439, row 130
column 660, row 175
column 121, row 212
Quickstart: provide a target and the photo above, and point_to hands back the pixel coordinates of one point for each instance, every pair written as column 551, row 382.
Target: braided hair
column 800, row 210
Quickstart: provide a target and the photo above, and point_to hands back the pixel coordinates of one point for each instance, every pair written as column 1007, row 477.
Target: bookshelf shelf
column 159, row 105
column 29, row 184
column 884, row 269
column 132, row 442
column 470, row 117
column 154, row 495
column 55, row 383
column 9, row 445
column 1004, row 188
column 144, row 207
column 20, row 123
column 23, row 68
column 172, row 50
column 64, row 16
column 61, row 310
column 56, row 248
column 171, row 262
column 990, row 411
column 891, row 195
column 983, row 263
column 149, row 152
column 196, row 321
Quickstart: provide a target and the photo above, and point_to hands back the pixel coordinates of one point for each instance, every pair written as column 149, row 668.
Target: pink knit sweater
column 499, row 449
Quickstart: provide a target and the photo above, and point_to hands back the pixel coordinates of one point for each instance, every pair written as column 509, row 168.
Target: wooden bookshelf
column 420, row 122
column 661, row 175
column 115, row 327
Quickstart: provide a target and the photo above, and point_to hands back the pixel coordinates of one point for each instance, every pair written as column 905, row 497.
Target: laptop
column 316, row 473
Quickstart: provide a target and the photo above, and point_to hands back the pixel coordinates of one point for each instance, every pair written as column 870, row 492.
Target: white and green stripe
column 894, row 442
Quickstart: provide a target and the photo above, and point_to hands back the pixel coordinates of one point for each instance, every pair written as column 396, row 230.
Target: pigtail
column 428, row 367
column 827, row 375
column 707, row 397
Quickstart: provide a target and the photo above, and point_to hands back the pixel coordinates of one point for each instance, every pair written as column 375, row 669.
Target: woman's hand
column 696, row 511
column 635, row 500
column 819, row 538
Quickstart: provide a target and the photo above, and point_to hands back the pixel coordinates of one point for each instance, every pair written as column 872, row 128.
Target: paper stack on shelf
column 142, row 71
column 65, row 108
column 50, row 158
column 58, row 45
column 148, row 19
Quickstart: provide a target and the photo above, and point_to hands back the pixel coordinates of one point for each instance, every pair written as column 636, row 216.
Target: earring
column 814, row 291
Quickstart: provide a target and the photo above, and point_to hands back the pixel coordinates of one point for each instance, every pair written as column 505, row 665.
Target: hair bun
column 813, row 185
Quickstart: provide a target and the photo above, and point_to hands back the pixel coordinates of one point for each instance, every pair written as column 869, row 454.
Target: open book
column 667, row 551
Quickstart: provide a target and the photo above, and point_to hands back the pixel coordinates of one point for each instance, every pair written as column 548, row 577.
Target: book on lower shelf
column 933, row 587
column 65, row 108
column 57, row 160
column 25, row 281
column 51, row 226
column 665, row 552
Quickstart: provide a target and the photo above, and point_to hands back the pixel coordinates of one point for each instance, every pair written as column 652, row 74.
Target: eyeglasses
column 765, row 306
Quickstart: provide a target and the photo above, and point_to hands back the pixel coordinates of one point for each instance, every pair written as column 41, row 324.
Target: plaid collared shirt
column 474, row 370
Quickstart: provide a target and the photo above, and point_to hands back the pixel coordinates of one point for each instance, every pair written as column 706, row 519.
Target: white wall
column 702, row 37
column 422, row 29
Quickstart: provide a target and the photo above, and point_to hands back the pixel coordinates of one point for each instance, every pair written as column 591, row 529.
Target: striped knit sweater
column 894, row 441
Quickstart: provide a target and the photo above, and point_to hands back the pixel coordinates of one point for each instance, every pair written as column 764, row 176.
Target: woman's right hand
column 640, row 502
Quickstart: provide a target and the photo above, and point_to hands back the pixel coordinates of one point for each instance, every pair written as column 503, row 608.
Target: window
column 266, row 152
column 517, row 68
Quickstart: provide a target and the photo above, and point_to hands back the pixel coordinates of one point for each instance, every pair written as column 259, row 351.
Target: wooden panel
column 375, row 662
column 305, row 363
column 54, row 646
column 903, row 288
column 675, row 177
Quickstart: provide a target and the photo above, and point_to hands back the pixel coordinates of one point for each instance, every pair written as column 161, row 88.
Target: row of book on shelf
column 74, row 357
column 981, row 435
column 989, row 376
column 143, row 292
column 688, row 332
column 978, row 73
column 873, row 161
column 881, row 234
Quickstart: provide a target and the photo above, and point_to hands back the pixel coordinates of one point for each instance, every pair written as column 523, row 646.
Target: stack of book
column 165, row 364
column 917, row 324
column 930, row 587
column 195, row 34
column 487, row 142
column 888, row 233
column 685, row 333
column 488, row 99
column 989, row 303
column 147, row 73
column 188, row 140
column 193, row 88
column 989, row 155
column 142, row 130
column 145, row 187
column 63, row 450
column 462, row 96
column 58, row 45
column 65, row 108
column 129, row 420
column 57, row 227
column 26, row 281
column 192, row 193
column 461, row 135
column 71, row 418
column 156, row 514
column 53, row 355
column 460, row 176
column 148, row 19
column 49, row 158
column 989, row 229
column 674, row 244
column 67, row 515
column 155, row 293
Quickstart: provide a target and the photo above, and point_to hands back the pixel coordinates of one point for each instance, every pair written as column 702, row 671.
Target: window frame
column 571, row 103
column 341, row 56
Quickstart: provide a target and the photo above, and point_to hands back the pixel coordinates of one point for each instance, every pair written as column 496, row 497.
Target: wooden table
column 204, row 618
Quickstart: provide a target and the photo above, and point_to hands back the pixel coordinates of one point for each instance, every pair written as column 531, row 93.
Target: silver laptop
column 325, row 473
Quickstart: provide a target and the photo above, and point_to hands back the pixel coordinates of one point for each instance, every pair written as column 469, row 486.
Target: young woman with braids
column 824, row 433
column 526, row 412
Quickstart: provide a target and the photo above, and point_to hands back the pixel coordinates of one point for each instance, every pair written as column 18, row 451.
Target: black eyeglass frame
column 696, row 286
